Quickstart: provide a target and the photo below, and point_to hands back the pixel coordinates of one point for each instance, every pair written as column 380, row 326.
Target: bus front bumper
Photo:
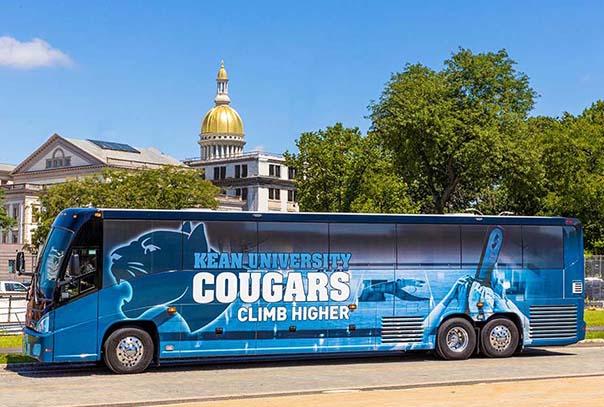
column 38, row 345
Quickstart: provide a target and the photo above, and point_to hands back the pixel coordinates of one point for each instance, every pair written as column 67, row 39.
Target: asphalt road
column 97, row 386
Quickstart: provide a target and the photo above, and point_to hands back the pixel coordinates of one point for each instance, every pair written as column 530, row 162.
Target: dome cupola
column 221, row 133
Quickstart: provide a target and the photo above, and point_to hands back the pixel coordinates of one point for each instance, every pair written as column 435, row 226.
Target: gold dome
column 222, row 73
column 222, row 119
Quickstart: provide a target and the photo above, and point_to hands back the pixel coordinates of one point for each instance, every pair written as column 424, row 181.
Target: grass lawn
column 14, row 358
column 594, row 317
column 10, row 341
column 594, row 335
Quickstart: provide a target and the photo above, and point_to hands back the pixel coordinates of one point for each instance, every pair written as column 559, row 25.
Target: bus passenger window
column 475, row 237
column 428, row 245
column 543, row 248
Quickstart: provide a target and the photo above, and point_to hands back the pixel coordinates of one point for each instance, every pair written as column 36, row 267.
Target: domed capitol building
column 250, row 181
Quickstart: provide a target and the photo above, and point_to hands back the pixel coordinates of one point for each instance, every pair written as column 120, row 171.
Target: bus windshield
column 50, row 260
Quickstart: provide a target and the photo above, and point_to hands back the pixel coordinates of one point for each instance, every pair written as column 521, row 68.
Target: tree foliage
column 339, row 170
column 455, row 138
column 451, row 131
column 163, row 188
column 5, row 220
column 572, row 153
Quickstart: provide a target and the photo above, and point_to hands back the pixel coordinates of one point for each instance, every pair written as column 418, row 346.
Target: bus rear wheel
column 499, row 338
column 128, row 350
column 456, row 339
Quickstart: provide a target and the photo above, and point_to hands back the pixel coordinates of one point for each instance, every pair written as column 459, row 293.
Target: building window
column 241, row 193
column 219, row 173
column 58, row 160
column 241, row 171
column 291, row 195
column 15, row 211
column 274, row 193
column 274, row 170
column 291, row 173
column 11, row 266
column 15, row 239
column 4, row 238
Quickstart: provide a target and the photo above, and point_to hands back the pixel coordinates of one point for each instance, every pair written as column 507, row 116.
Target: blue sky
column 142, row 72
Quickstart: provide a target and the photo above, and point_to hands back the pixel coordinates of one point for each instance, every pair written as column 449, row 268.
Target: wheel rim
column 500, row 338
column 457, row 339
column 130, row 351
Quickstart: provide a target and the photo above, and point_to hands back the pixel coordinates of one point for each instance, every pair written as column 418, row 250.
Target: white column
column 21, row 222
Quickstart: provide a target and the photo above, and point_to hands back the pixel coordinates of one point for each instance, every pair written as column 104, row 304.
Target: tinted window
column 368, row 243
column 233, row 237
column 543, row 248
column 428, row 245
column 473, row 240
column 139, row 247
column 292, row 237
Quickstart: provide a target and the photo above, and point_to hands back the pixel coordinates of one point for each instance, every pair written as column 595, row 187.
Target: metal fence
column 594, row 281
column 12, row 313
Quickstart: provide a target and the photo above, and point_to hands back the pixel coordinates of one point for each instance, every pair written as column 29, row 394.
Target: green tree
column 162, row 188
column 339, row 170
column 5, row 220
column 572, row 151
column 451, row 131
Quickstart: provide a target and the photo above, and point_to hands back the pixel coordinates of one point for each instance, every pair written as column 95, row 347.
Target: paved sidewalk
column 584, row 392
column 215, row 382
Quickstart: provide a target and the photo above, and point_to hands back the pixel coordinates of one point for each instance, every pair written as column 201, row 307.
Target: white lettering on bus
column 250, row 287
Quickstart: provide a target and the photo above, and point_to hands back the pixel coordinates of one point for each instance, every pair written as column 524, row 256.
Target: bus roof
column 210, row 215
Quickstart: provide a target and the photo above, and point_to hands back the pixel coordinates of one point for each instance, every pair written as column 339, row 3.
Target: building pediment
column 56, row 153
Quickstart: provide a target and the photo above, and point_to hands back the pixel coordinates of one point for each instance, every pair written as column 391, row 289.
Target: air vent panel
column 402, row 329
column 553, row 321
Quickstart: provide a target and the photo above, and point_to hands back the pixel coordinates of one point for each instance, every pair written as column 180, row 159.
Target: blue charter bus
column 132, row 287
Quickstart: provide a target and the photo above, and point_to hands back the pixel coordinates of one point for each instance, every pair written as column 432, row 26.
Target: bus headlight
column 43, row 324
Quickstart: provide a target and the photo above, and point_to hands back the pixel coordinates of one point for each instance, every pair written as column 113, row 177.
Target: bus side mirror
column 20, row 262
column 74, row 265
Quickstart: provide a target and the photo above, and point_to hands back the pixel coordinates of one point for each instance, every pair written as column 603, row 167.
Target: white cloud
column 36, row 53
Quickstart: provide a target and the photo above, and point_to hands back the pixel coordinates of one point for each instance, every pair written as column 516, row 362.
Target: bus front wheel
column 499, row 338
column 456, row 339
column 128, row 350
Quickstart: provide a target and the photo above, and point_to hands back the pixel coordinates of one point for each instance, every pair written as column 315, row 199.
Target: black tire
column 455, row 331
column 499, row 338
column 128, row 350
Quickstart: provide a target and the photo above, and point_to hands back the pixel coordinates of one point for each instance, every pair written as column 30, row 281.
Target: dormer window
column 58, row 160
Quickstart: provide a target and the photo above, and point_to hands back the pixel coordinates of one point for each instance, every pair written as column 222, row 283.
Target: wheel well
column 462, row 316
column 147, row 326
column 480, row 324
